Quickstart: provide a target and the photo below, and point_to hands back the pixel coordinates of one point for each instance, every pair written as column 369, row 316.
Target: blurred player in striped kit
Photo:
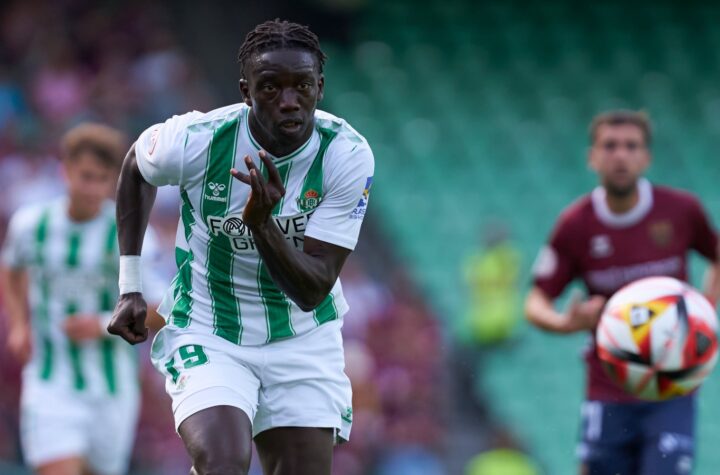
column 80, row 394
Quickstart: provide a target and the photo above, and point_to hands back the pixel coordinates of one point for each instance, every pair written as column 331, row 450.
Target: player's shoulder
column 576, row 213
column 29, row 216
column 664, row 196
column 344, row 135
column 348, row 149
column 194, row 124
column 216, row 118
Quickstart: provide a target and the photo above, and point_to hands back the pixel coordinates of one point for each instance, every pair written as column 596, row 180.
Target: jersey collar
column 630, row 217
column 279, row 160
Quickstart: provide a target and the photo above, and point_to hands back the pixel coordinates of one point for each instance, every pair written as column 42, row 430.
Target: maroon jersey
column 608, row 250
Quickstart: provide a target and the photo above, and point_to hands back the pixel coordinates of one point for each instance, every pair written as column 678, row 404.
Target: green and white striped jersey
column 222, row 285
column 72, row 269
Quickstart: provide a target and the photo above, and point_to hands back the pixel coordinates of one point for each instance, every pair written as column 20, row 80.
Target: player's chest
column 220, row 206
column 652, row 240
column 75, row 261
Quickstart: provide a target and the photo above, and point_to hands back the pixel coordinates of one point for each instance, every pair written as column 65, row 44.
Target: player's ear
column 245, row 91
column 321, row 87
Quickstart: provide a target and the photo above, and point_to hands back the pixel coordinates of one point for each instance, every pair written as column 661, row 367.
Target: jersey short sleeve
column 160, row 150
column 18, row 246
column 554, row 266
column 705, row 239
column 339, row 216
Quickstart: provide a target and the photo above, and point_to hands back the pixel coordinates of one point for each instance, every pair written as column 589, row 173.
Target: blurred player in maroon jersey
column 624, row 230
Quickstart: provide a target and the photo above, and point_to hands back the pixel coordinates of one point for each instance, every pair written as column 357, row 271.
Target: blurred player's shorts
column 58, row 423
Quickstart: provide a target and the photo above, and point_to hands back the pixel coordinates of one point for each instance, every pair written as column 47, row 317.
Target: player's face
column 283, row 88
column 619, row 156
column 89, row 182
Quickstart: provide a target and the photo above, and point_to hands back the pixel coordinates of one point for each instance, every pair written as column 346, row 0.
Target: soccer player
column 626, row 229
column 79, row 400
column 273, row 196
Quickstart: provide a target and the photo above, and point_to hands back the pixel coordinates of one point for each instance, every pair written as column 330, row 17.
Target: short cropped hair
column 622, row 117
column 106, row 144
column 280, row 34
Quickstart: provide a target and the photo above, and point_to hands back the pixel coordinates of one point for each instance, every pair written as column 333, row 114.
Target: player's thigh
column 610, row 441
column 53, row 426
column 113, row 432
column 669, row 438
column 218, row 440
column 67, row 466
column 304, row 384
column 296, row 450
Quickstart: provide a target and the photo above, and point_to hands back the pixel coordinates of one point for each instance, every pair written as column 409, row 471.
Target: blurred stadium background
column 477, row 113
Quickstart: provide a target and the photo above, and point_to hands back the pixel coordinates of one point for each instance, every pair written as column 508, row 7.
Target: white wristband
column 130, row 278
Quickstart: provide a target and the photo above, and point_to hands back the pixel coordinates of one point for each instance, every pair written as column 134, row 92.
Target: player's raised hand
column 264, row 195
column 128, row 320
column 584, row 314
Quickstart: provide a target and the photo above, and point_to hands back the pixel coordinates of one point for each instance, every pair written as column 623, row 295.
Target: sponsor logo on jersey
column 609, row 280
column 233, row 227
column 310, row 200
column 359, row 211
column 216, row 189
column 661, row 232
column 601, row 246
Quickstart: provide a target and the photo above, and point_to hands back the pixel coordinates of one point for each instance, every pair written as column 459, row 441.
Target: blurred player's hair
column 106, row 144
column 280, row 34
column 621, row 117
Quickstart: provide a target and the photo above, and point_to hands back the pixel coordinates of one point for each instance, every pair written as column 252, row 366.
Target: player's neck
column 80, row 214
column 620, row 204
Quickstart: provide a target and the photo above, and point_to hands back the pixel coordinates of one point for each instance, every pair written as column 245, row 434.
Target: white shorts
column 58, row 423
column 297, row 382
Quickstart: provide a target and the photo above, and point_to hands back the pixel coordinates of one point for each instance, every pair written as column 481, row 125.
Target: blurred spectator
column 491, row 275
column 503, row 457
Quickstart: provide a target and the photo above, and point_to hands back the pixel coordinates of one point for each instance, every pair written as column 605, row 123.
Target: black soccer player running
column 273, row 196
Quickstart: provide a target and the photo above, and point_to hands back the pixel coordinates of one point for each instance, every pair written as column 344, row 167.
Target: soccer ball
column 657, row 338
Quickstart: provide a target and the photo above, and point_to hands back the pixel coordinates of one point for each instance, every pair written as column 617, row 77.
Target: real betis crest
column 311, row 199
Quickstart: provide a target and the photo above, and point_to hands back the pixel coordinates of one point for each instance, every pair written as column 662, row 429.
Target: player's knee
column 213, row 462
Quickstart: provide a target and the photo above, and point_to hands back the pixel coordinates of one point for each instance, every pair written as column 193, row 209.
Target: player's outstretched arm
column 580, row 315
column 15, row 292
column 135, row 198
column 306, row 277
column 712, row 280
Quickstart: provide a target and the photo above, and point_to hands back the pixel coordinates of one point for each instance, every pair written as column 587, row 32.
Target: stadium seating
column 479, row 111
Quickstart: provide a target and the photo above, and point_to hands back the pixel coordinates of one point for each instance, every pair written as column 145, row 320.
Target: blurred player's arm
column 712, row 280
column 15, row 295
column 580, row 314
column 135, row 199
column 706, row 242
